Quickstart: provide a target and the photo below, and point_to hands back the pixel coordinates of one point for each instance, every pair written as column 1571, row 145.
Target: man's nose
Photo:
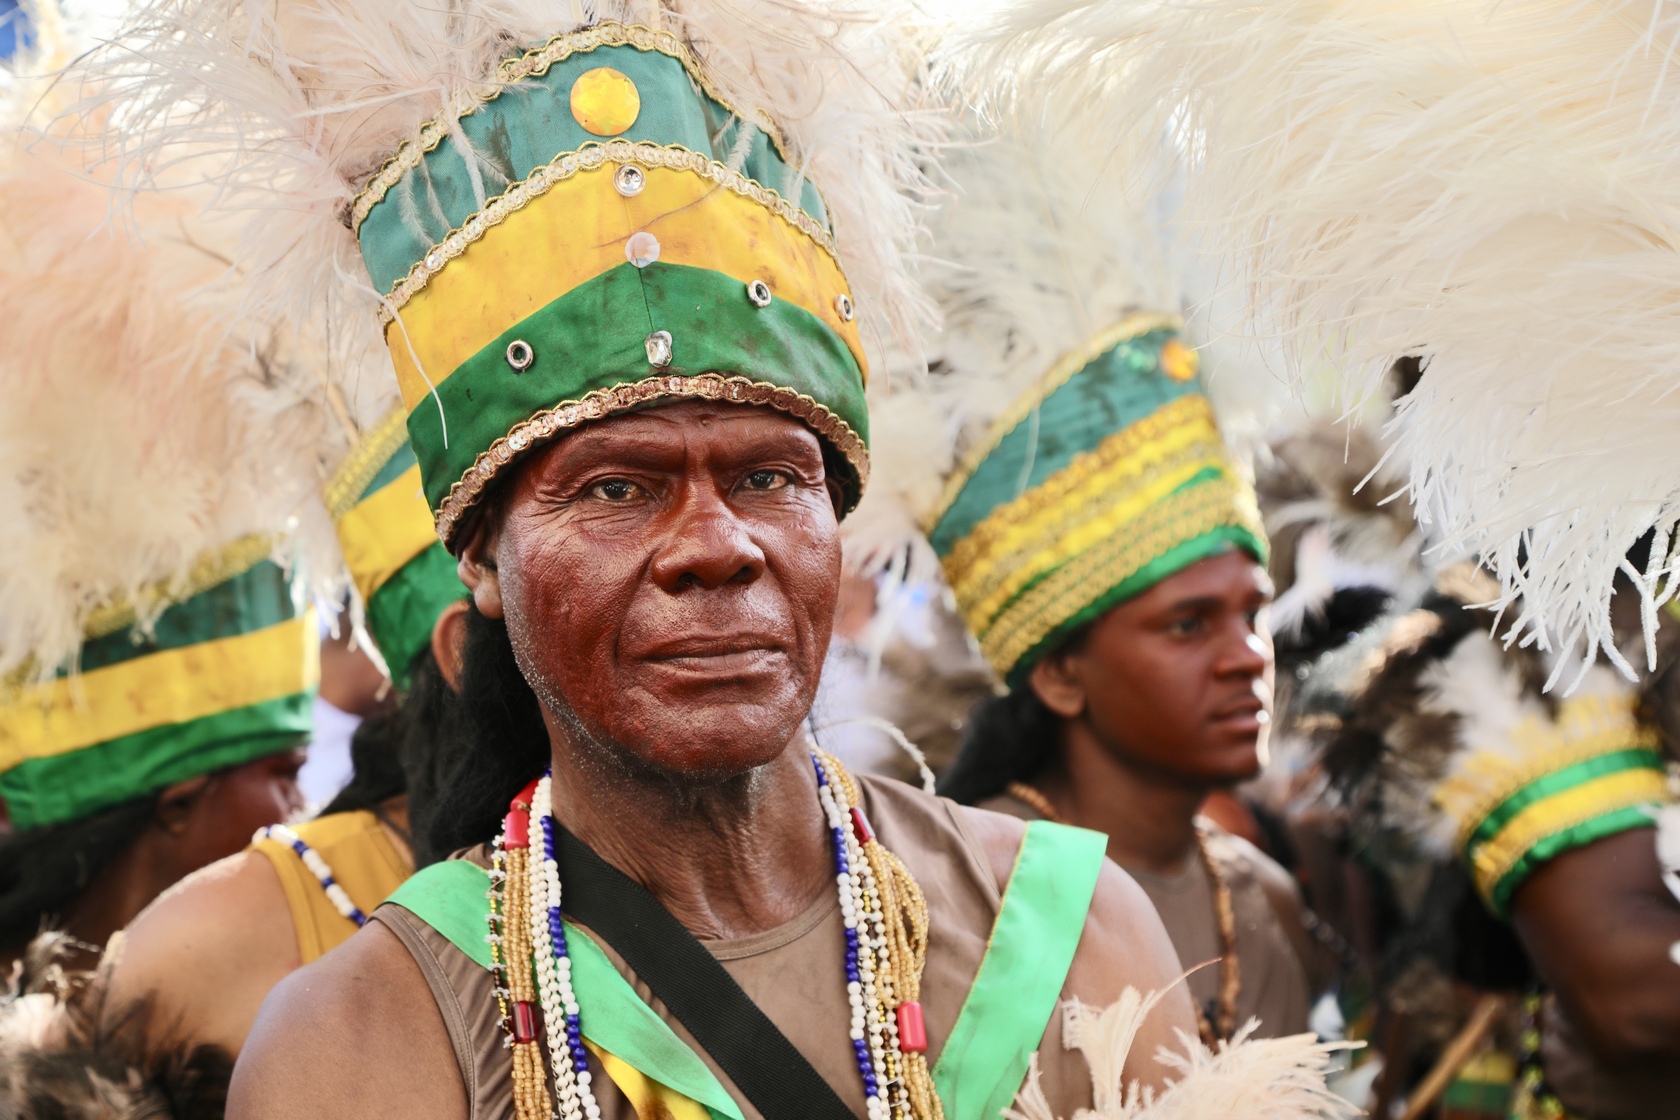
column 706, row 544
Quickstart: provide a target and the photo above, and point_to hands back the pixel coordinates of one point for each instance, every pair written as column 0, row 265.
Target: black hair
column 500, row 743
column 44, row 870
column 1009, row 738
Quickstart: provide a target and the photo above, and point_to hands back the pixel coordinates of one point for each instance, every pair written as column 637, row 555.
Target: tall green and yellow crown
column 1081, row 461
column 604, row 215
column 402, row 575
column 153, row 466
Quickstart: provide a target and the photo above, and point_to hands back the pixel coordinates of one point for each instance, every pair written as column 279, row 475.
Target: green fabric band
column 532, row 122
column 1633, row 758
column 76, row 785
column 406, row 607
column 1113, row 391
column 1174, row 560
column 255, row 599
column 985, row 1060
column 450, row 897
column 401, row 459
column 1579, row 836
column 594, row 337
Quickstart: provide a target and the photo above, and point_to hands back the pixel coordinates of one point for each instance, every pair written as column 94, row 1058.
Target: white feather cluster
column 1034, row 254
column 1258, row 1079
column 1489, row 183
column 301, row 102
column 139, row 436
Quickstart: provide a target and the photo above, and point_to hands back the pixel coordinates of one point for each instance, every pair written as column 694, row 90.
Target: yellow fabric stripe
column 578, row 230
column 171, row 686
column 650, row 1099
column 1093, row 497
column 1177, row 518
column 386, row 530
column 1574, row 806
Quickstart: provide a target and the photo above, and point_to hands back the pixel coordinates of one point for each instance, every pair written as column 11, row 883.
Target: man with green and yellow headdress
column 1103, row 544
column 621, row 260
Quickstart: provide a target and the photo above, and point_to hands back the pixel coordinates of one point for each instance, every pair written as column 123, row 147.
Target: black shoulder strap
column 743, row 1041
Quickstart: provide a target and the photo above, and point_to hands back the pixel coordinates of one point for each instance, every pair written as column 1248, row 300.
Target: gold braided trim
column 1584, row 728
column 1496, row 858
column 211, row 568
column 588, row 158
column 1092, row 497
column 619, row 398
column 534, row 63
column 1132, row 326
column 1177, row 518
column 365, row 461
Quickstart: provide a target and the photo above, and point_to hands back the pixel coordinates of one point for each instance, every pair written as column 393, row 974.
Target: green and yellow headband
column 222, row 678
column 1108, row 478
column 404, row 577
column 652, row 244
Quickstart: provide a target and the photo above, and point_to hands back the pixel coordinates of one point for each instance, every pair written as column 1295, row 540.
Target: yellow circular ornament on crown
column 1178, row 361
column 605, row 102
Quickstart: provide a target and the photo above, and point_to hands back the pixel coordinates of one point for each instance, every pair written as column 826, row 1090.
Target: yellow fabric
column 1096, row 496
column 575, row 232
column 1559, row 813
column 171, row 686
column 363, row 861
column 365, row 461
column 386, row 530
column 1583, row 728
column 650, row 1099
column 1032, row 617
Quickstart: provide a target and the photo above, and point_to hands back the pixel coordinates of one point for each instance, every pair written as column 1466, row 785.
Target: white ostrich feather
column 1257, row 1079
column 139, row 436
column 1490, row 183
column 301, row 102
column 1034, row 255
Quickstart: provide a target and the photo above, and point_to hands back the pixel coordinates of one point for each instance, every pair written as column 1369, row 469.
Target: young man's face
column 668, row 579
column 1176, row 681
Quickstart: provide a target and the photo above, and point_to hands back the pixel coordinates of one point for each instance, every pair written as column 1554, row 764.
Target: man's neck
column 728, row 859
column 1149, row 818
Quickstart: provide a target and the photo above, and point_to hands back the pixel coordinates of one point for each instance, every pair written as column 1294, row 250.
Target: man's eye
column 1185, row 626
column 615, row 490
column 766, row 480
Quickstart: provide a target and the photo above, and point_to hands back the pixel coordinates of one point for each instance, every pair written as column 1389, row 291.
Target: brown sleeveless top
column 794, row 972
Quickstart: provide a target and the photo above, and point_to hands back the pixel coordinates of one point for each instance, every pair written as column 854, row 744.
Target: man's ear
column 449, row 640
column 175, row 803
column 1057, row 683
column 477, row 566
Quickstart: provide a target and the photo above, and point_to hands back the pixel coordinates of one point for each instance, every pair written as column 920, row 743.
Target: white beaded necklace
column 874, row 1032
column 317, row 867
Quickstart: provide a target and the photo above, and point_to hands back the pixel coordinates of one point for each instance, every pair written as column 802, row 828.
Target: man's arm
column 1124, row 945
column 1598, row 923
column 356, row 1035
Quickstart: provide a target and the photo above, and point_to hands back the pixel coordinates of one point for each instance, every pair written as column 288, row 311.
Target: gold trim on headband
column 210, row 569
column 1132, row 326
column 606, row 402
column 567, row 166
column 365, row 461
column 1176, row 518
column 534, row 62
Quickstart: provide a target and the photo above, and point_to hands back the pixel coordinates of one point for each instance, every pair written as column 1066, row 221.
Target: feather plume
column 288, row 109
column 1263, row 1079
column 1488, row 184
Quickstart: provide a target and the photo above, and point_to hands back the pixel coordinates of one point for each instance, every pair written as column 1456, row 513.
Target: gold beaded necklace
column 1223, row 1022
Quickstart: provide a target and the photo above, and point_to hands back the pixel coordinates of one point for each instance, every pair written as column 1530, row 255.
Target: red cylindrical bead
column 860, row 826
column 524, row 1021
column 516, row 830
column 912, row 1031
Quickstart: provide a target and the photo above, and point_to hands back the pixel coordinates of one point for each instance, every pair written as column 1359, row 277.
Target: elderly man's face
column 669, row 580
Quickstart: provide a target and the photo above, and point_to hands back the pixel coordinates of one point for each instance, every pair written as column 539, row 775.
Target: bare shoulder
column 1123, row 945
column 209, row 949
column 355, row 1034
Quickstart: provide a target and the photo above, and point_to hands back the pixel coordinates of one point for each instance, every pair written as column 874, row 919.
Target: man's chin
column 715, row 743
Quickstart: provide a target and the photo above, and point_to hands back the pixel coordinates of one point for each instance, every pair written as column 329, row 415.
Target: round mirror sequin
column 1178, row 361
column 605, row 102
column 641, row 249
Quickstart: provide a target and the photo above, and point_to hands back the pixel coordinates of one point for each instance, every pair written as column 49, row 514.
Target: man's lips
column 1249, row 709
column 714, row 654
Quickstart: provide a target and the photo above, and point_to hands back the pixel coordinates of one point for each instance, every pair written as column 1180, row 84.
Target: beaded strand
column 530, row 1090
column 317, row 866
column 554, row 970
